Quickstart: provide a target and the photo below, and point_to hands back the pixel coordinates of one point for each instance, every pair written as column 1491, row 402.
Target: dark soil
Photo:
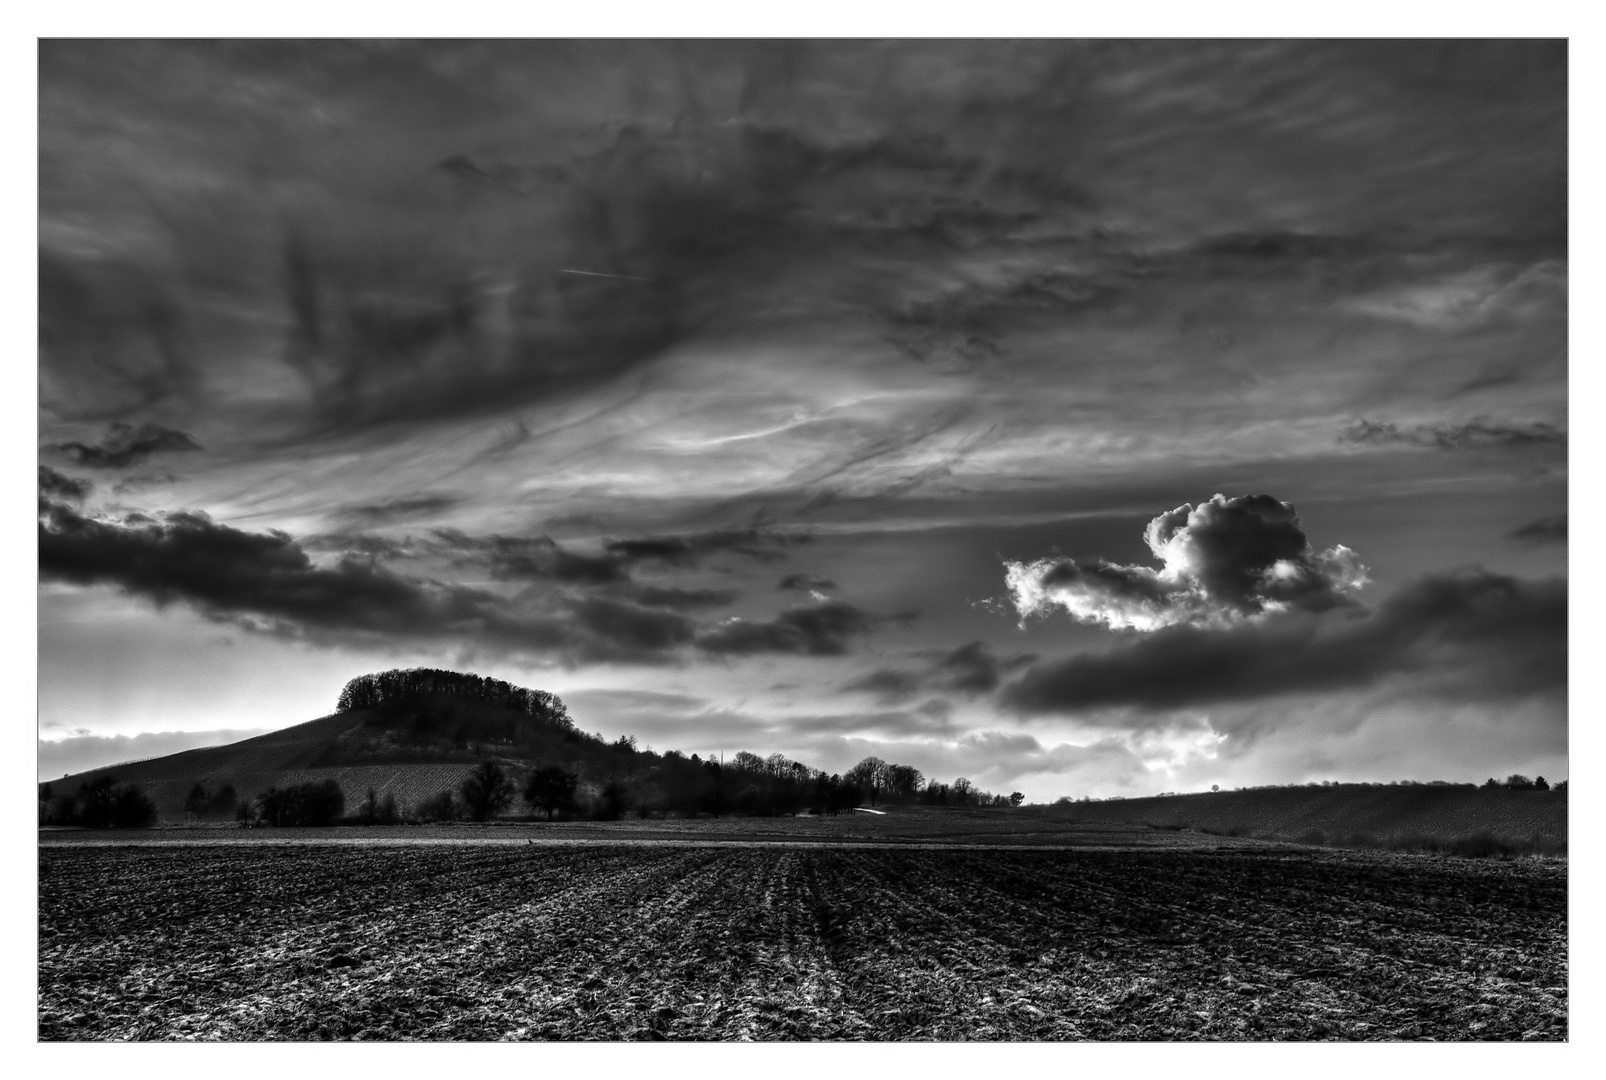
column 482, row 942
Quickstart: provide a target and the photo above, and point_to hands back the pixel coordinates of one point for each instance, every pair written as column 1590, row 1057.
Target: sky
column 1079, row 417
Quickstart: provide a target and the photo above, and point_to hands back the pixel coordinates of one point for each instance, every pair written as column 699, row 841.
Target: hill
column 1444, row 816
column 414, row 735
column 406, row 734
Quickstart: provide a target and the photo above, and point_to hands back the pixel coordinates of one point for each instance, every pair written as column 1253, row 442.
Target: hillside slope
column 406, row 734
column 1363, row 814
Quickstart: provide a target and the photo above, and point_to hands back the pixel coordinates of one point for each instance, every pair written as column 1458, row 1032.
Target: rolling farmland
column 512, row 940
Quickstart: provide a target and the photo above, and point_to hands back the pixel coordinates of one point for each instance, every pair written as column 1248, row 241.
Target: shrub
column 301, row 805
column 442, row 806
column 103, row 804
column 486, row 791
column 377, row 811
column 551, row 789
column 132, row 809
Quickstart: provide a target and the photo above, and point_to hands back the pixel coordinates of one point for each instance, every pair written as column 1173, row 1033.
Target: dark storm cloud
column 370, row 545
column 1224, row 560
column 226, row 572
column 266, row 583
column 825, row 629
column 125, row 445
column 678, row 599
column 532, row 558
column 1472, row 634
column 1546, row 530
column 54, row 485
column 889, row 685
column 968, row 670
column 640, row 630
column 805, row 583
column 540, row 558
column 689, row 549
column 1479, row 433
column 973, row 669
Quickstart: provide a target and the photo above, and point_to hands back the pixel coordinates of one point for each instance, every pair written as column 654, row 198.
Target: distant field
column 904, row 825
column 515, row 941
column 1406, row 816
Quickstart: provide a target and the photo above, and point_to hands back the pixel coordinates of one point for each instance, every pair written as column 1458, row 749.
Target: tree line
column 671, row 784
column 399, row 684
column 1518, row 782
column 101, row 803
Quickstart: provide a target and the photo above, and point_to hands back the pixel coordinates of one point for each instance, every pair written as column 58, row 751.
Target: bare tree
column 551, row 789
column 486, row 790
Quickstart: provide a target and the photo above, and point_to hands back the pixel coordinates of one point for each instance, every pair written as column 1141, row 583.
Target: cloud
column 1472, row 633
column 266, row 583
column 1479, row 433
column 889, row 685
column 969, row 670
column 1546, row 530
column 689, row 549
column 55, row 485
column 424, row 504
column 540, row 559
column 124, row 445
column 113, row 337
column 806, row 583
column 824, row 629
column 532, row 558
column 1224, row 561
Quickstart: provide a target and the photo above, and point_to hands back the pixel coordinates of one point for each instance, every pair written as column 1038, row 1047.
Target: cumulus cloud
column 124, row 445
column 1224, row 561
column 1471, row 633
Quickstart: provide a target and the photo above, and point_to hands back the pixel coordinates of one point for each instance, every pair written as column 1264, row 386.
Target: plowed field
column 517, row 941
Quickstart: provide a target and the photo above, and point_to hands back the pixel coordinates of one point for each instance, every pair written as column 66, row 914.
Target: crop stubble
column 538, row 942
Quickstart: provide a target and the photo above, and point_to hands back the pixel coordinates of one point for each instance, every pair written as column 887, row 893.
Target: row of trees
column 675, row 784
column 102, row 803
column 204, row 802
column 886, row 782
column 1518, row 782
column 313, row 804
column 398, row 684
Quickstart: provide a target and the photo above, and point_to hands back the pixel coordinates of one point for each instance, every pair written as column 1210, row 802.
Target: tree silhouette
column 551, row 789
column 486, row 791
column 367, row 691
column 301, row 805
